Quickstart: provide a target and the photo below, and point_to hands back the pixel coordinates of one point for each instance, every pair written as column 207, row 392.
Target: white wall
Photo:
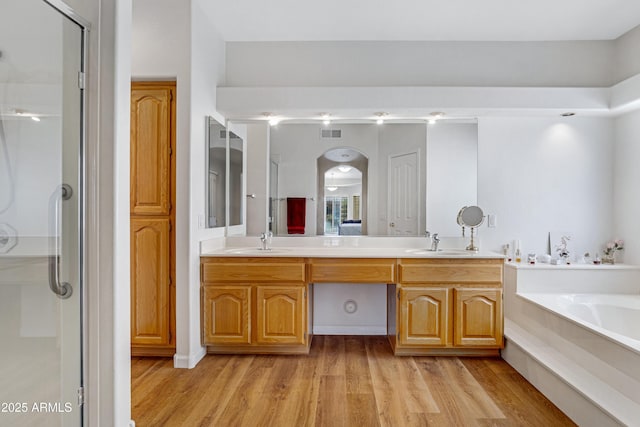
column 377, row 63
column 207, row 67
column 626, row 179
column 627, row 60
column 544, row 174
column 175, row 40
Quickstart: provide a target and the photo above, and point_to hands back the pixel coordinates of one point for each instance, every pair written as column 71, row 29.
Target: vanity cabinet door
column 226, row 314
column 425, row 316
column 478, row 317
column 281, row 314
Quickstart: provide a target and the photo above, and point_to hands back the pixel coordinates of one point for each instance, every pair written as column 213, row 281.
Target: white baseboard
column 189, row 361
column 350, row 330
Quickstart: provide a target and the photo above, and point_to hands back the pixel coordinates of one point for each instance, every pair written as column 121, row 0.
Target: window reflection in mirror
column 342, row 201
column 216, row 173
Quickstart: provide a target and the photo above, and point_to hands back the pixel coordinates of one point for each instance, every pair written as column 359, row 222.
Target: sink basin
column 441, row 252
column 254, row 251
column 456, row 252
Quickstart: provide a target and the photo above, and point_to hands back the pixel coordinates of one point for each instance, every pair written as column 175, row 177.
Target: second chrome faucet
column 435, row 240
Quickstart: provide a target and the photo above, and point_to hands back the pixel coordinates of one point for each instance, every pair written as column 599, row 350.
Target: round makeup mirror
column 472, row 217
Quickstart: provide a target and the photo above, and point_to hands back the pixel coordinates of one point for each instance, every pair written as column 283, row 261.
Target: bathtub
column 574, row 332
column 615, row 317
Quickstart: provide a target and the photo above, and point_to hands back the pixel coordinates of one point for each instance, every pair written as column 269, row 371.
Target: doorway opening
column 343, row 185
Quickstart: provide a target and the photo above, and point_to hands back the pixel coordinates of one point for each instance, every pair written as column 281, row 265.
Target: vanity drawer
column 352, row 270
column 219, row 270
column 450, row 270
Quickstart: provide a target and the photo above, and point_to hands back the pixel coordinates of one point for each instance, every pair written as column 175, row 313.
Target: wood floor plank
column 357, row 367
column 470, row 394
column 399, row 390
column 332, row 406
column 503, row 383
column 224, row 378
column 438, row 380
column 343, row 381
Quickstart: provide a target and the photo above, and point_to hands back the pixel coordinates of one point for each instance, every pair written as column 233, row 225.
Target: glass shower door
column 40, row 216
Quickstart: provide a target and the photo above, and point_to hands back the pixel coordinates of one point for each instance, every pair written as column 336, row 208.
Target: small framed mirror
column 216, row 173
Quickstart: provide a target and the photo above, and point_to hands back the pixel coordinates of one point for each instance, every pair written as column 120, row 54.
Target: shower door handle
column 61, row 289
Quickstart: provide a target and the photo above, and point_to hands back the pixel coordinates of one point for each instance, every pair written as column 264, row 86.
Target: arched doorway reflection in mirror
column 342, row 184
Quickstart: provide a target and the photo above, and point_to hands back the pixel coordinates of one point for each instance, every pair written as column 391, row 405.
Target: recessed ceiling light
column 380, row 119
column 35, row 119
column 568, row 114
column 326, row 119
column 435, row 116
column 344, row 168
column 273, row 120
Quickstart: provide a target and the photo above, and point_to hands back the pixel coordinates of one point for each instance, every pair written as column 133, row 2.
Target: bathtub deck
column 591, row 375
column 531, row 357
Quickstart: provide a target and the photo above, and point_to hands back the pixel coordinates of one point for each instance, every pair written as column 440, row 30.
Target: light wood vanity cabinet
column 449, row 306
column 436, row 306
column 255, row 305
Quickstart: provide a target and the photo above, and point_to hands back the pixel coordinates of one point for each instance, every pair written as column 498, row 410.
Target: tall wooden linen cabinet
column 152, row 215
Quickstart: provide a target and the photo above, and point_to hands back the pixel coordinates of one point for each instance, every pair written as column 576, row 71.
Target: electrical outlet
column 492, row 221
column 200, row 221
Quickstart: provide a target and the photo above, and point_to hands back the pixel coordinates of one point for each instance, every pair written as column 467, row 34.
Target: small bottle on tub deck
column 596, row 259
column 518, row 255
column 507, row 252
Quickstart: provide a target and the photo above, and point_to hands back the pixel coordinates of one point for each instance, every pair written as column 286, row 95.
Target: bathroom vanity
column 437, row 304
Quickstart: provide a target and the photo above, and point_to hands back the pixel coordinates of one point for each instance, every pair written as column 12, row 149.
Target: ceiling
column 456, row 20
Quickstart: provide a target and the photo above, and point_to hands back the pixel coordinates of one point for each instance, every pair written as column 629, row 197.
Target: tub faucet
column 434, row 242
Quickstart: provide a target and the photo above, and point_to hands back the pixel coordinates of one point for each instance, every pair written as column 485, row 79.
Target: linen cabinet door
column 152, row 120
column 478, row 317
column 281, row 314
column 226, row 314
column 150, row 282
column 425, row 316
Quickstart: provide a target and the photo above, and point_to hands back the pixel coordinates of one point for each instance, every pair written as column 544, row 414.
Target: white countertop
column 319, row 247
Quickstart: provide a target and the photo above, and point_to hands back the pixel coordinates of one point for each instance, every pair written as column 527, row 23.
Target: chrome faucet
column 265, row 239
column 435, row 240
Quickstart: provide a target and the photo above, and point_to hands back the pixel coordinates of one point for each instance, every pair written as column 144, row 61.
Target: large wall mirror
column 224, row 180
column 417, row 176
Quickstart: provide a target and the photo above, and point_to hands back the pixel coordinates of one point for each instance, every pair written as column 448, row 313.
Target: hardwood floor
column 344, row 381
